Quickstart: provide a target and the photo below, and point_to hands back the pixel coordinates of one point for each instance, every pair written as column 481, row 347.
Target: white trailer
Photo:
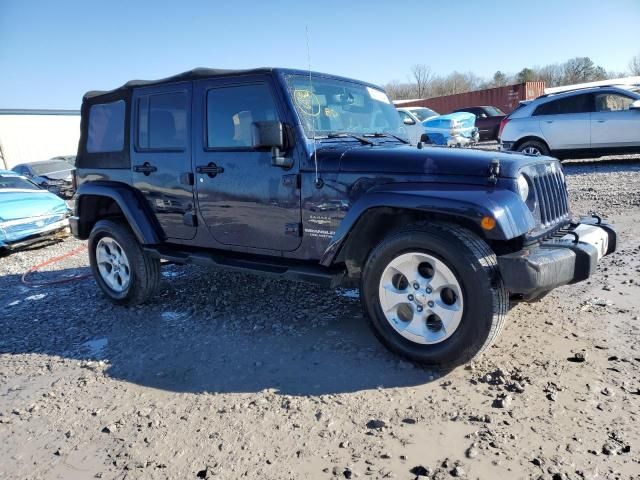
column 32, row 135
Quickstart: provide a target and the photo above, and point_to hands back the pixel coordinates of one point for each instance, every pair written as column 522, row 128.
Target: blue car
column 28, row 214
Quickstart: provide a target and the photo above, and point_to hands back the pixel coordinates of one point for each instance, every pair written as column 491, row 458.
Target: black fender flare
column 134, row 208
column 470, row 202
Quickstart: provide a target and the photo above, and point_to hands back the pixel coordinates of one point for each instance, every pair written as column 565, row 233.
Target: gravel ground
column 229, row 375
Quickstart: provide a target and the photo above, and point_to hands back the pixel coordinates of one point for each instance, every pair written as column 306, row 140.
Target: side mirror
column 635, row 105
column 408, row 121
column 483, row 115
column 270, row 134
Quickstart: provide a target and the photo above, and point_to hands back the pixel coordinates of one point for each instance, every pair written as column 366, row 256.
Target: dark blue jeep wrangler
column 309, row 177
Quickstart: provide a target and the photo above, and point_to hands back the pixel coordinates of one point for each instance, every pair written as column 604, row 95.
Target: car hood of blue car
column 18, row 203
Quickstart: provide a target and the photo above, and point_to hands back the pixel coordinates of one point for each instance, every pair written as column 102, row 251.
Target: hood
column 60, row 175
column 408, row 159
column 16, row 204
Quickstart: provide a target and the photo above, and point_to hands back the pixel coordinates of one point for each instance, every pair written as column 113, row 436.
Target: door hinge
column 190, row 219
column 291, row 180
column 293, row 229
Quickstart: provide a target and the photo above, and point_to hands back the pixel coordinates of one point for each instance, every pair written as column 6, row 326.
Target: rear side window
column 612, row 102
column 162, row 121
column 106, row 127
column 231, row 112
column 572, row 104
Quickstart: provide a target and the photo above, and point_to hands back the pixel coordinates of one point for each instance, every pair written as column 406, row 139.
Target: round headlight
column 523, row 187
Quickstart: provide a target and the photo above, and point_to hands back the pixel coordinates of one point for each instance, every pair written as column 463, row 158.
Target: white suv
column 588, row 122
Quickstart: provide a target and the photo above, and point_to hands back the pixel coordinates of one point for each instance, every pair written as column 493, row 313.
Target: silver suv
column 589, row 122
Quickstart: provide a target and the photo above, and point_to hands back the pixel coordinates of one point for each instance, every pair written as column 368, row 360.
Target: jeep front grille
column 551, row 194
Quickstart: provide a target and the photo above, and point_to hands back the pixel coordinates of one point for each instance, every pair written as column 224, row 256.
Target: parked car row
column 55, row 175
column 587, row 122
column 427, row 126
column 28, row 212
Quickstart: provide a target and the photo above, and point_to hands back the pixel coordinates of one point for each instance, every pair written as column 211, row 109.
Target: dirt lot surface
column 234, row 376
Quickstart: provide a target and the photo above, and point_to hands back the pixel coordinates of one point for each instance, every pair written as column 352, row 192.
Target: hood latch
column 494, row 171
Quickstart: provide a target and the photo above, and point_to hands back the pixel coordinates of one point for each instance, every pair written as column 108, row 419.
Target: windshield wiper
column 386, row 134
column 362, row 140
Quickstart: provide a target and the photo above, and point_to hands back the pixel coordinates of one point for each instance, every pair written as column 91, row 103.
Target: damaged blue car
column 28, row 213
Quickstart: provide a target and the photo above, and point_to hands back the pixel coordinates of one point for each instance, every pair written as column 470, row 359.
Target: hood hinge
column 494, row 171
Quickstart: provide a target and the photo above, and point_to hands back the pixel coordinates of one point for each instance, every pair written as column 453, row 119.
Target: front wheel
column 125, row 273
column 433, row 294
column 534, row 147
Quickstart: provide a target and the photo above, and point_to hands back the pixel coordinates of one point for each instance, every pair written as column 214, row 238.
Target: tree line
column 424, row 83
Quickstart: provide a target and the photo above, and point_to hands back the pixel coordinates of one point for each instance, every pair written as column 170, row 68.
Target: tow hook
column 494, row 171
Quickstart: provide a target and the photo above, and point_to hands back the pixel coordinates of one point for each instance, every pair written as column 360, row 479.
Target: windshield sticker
column 378, row 95
column 307, row 101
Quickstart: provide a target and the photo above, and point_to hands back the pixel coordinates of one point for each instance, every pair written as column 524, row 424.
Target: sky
column 51, row 52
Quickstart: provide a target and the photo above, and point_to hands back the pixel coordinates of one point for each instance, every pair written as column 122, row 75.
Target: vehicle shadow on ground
column 207, row 331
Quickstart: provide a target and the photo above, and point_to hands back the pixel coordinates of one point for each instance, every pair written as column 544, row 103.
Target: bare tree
column 422, row 77
column 634, row 65
column 400, row 91
column 499, row 79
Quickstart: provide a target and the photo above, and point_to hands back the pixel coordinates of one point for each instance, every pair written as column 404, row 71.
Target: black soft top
column 194, row 74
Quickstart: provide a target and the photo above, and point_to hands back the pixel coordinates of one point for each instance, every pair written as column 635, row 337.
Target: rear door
column 161, row 156
column 243, row 198
column 566, row 122
column 613, row 124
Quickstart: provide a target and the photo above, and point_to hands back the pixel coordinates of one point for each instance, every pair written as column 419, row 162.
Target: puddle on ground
column 174, row 317
column 95, row 347
column 348, row 293
column 38, row 296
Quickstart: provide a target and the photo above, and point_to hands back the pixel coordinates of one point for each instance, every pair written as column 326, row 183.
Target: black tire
column 144, row 269
column 538, row 145
column 486, row 302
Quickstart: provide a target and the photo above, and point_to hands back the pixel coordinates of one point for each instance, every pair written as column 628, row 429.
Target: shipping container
column 505, row 98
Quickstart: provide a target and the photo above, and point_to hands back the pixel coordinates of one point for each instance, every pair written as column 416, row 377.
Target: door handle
column 549, row 121
column 601, row 121
column 145, row 168
column 211, row 169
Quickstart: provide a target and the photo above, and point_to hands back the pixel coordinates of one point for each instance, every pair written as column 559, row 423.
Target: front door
column 613, row 124
column 161, row 156
column 244, row 200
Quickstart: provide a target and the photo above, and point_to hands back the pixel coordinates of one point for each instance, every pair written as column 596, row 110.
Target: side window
column 405, row 116
column 162, row 121
column 612, row 102
column 572, row 104
column 231, row 112
column 106, row 127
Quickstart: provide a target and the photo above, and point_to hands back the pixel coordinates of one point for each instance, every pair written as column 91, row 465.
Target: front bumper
column 568, row 258
column 15, row 240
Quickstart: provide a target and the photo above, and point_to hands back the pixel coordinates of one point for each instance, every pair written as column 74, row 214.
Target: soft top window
column 106, row 127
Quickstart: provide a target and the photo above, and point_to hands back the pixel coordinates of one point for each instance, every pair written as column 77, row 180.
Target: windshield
column 423, row 113
column 493, row 111
column 50, row 167
column 17, row 182
column 331, row 106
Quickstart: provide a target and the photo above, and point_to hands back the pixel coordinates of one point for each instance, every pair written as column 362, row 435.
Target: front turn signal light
column 488, row 223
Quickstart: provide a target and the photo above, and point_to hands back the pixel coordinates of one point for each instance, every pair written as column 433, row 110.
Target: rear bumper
column 568, row 259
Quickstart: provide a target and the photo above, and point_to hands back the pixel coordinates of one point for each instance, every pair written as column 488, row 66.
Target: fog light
column 488, row 223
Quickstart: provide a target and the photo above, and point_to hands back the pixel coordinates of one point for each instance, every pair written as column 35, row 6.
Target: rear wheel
column 123, row 271
column 433, row 294
column 534, row 147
